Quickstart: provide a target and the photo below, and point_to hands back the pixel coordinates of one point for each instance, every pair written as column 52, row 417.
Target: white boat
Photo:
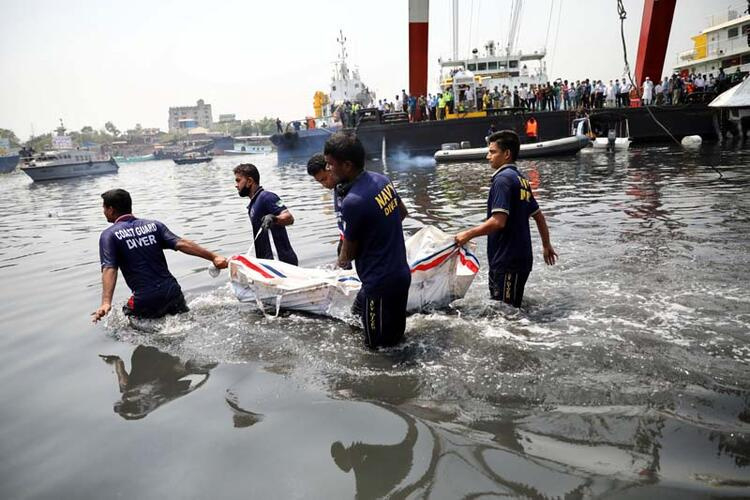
column 66, row 164
column 441, row 273
column 250, row 145
column 555, row 147
column 618, row 137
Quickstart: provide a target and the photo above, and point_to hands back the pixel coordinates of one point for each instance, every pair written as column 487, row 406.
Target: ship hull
column 8, row 163
column 425, row 138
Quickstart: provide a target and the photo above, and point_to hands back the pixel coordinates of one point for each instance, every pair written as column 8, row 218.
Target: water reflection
column 155, row 378
column 378, row 469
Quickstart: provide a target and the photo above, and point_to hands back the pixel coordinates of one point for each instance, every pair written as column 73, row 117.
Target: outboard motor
column 611, row 137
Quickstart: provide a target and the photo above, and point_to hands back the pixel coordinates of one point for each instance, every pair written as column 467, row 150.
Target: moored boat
column 557, row 147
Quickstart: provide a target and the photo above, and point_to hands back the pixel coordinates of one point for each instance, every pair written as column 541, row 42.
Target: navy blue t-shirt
column 136, row 247
column 261, row 204
column 371, row 217
column 509, row 250
column 337, row 211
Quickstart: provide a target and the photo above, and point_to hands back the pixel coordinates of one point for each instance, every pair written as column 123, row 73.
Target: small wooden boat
column 188, row 160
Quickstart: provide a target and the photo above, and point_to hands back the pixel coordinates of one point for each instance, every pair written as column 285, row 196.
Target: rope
column 622, row 14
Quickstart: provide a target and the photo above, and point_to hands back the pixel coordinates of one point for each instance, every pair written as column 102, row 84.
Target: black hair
column 248, row 170
column 316, row 163
column 507, row 140
column 344, row 146
column 119, row 199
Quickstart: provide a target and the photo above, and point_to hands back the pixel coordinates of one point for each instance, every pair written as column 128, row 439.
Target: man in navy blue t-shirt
column 136, row 247
column 509, row 207
column 267, row 214
column 319, row 169
column 371, row 213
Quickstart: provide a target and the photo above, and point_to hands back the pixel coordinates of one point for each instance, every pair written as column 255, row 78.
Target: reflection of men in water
column 321, row 172
column 136, row 247
column 155, row 378
column 509, row 206
column 378, row 469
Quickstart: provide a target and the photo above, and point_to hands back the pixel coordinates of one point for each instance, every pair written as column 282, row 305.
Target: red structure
column 652, row 44
column 419, row 16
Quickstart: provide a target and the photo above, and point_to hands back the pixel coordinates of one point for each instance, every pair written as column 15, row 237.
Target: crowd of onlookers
column 558, row 95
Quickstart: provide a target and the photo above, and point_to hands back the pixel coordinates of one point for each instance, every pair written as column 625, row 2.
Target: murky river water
column 627, row 373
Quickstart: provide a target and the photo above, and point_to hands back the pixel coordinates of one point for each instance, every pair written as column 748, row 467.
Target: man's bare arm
column 494, row 223
column 109, row 280
column 349, row 251
column 550, row 256
column 285, row 218
column 192, row 248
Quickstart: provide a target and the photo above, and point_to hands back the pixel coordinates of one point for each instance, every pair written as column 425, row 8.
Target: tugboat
column 346, row 91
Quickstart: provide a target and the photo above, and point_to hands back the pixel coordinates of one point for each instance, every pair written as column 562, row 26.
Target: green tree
column 11, row 136
column 40, row 142
column 266, row 126
column 110, row 127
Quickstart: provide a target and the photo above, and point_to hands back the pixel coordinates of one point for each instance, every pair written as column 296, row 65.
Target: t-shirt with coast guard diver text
column 371, row 217
column 261, row 204
column 509, row 250
column 136, row 247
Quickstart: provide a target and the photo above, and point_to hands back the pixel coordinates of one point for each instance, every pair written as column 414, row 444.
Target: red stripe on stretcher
column 252, row 266
column 468, row 263
column 432, row 263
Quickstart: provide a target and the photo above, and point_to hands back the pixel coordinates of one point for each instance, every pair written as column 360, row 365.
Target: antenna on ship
column 342, row 58
column 455, row 30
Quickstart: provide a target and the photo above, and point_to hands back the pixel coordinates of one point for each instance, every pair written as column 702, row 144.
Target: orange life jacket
column 531, row 128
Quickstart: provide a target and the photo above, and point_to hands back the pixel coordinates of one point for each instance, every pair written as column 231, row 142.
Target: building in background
column 183, row 117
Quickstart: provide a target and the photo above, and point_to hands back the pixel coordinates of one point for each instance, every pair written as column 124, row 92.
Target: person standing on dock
column 136, row 247
column 268, row 214
column 509, row 207
column 371, row 213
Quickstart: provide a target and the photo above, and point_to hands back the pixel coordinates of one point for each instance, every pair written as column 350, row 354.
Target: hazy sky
column 90, row 61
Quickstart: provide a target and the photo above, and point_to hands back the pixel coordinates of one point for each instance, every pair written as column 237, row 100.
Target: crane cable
column 623, row 15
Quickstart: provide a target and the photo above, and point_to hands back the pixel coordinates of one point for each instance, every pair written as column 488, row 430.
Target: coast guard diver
column 371, row 214
column 509, row 206
column 136, row 247
column 266, row 211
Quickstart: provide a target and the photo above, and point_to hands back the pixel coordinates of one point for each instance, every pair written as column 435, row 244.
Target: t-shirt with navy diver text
column 261, row 204
column 509, row 250
column 371, row 217
column 136, row 247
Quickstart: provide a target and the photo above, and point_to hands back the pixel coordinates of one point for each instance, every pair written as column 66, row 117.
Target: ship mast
column 515, row 17
column 455, row 30
column 343, row 68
